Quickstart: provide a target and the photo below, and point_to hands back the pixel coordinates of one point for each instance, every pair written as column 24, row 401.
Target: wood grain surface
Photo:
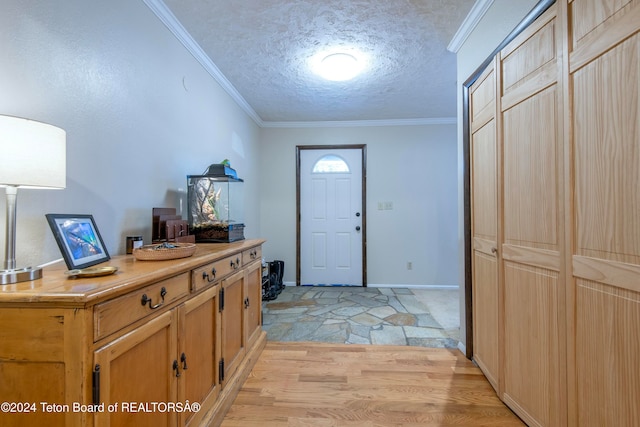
column 317, row 384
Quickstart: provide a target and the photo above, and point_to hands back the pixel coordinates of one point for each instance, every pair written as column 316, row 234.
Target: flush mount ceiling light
column 338, row 66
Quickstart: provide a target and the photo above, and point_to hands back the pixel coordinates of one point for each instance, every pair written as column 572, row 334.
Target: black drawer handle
column 183, row 359
column 145, row 299
column 205, row 275
column 235, row 265
column 253, row 254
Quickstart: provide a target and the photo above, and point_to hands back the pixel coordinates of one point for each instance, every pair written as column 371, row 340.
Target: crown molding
column 362, row 123
column 171, row 22
column 469, row 24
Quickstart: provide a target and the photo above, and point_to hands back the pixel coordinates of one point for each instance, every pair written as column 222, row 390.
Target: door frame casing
column 363, row 151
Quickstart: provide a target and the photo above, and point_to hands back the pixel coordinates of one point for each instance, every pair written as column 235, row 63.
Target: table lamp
column 32, row 155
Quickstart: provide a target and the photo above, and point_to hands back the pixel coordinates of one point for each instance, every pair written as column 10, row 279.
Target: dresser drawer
column 251, row 255
column 113, row 315
column 211, row 273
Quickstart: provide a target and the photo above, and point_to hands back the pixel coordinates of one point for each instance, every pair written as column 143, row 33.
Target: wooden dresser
column 159, row 343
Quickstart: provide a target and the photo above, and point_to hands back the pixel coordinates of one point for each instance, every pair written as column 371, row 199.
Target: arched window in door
column 331, row 163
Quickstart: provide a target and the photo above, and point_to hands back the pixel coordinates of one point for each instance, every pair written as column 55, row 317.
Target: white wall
column 139, row 111
column 499, row 20
column 414, row 167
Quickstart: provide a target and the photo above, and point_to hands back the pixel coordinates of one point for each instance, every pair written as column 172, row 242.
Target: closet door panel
column 532, row 224
column 589, row 15
column 483, row 100
column 484, row 183
column 485, row 319
column 484, row 226
column 608, row 342
column 531, row 172
column 522, row 59
column 605, row 75
column 531, row 343
column 607, row 153
column 606, row 36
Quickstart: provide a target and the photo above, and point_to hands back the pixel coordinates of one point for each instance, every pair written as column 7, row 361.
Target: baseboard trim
column 384, row 285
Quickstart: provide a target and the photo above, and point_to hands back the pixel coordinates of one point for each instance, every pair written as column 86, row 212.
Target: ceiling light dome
column 339, row 67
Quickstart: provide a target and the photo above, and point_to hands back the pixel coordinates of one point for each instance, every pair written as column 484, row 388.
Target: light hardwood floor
column 336, row 385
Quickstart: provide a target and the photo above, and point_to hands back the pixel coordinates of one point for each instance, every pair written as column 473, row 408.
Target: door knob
column 357, row 228
column 357, row 213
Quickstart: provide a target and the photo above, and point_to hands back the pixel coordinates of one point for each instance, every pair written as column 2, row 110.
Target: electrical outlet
column 380, row 206
column 409, row 265
column 388, row 206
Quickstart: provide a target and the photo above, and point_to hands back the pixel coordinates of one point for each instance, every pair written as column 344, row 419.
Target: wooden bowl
column 164, row 251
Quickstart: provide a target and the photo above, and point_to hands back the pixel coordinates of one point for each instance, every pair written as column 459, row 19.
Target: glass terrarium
column 216, row 211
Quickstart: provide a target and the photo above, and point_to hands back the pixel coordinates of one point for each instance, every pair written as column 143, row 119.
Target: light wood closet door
column 604, row 66
column 532, row 224
column 484, row 224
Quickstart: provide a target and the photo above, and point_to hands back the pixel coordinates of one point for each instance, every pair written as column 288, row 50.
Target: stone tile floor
column 356, row 315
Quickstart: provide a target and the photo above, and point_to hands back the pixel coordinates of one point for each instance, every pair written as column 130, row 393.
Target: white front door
column 331, row 217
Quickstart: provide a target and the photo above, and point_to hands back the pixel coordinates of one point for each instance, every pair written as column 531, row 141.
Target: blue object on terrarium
column 221, row 169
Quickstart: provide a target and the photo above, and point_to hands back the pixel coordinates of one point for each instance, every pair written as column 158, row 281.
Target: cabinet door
column 199, row 354
column 232, row 319
column 253, row 305
column 137, row 371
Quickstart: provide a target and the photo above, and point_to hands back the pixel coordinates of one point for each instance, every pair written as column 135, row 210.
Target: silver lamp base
column 16, row 275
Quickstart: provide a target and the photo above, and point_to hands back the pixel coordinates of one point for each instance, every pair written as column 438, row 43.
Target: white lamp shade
column 32, row 154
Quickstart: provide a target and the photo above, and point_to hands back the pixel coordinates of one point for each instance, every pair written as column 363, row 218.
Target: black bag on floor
column 272, row 287
column 269, row 293
column 276, row 272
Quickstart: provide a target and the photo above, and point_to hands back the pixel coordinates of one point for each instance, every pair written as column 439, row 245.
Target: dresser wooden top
column 55, row 288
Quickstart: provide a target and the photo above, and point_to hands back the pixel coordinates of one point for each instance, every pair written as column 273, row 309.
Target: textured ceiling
column 263, row 48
